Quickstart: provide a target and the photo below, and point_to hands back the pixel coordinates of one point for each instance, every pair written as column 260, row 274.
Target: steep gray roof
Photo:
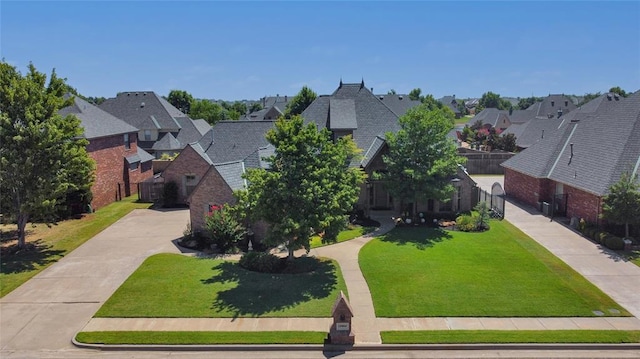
column 372, row 117
column 489, row 116
column 230, row 141
column 551, row 104
column 451, row 103
column 95, row 122
column 589, row 151
column 399, row 104
column 342, row 114
column 167, row 143
column 190, row 131
column 232, row 172
column 202, row 126
column 138, row 108
column 140, row 156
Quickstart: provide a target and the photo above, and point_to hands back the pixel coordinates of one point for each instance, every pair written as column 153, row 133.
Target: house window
column 566, row 103
column 189, row 184
column 445, row 206
column 133, row 166
column 552, row 103
column 147, row 135
column 127, row 142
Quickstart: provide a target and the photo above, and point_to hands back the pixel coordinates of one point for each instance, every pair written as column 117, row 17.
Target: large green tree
column 181, row 100
column 622, row 204
column 310, row 187
column 43, row 157
column 300, row 102
column 207, row 110
column 493, row 100
column 422, row 159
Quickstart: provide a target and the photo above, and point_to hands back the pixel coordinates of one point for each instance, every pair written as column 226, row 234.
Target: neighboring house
column 272, row 108
column 399, row 104
column 568, row 171
column 120, row 163
column 491, row 118
column 452, row 104
column 162, row 128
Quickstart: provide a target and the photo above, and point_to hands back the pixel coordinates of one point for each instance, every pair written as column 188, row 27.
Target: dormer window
column 553, row 103
column 127, row 142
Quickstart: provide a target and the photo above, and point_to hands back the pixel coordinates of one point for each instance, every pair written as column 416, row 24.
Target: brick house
column 120, row 163
column 354, row 110
column 568, row 171
column 161, row 127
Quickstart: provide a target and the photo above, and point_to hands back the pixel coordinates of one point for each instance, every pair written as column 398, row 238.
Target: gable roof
column 550, row 105
column 144, row 110
column 399, row 104
column 190, row 131
column 230, row 141
column 489, row 116
column 372, row 117
column 589, row 151
column 451, row 103
column 140, row 156
column 167, row 143
column 95, row 122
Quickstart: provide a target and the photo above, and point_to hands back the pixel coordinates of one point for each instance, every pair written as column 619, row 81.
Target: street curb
column 364, row 347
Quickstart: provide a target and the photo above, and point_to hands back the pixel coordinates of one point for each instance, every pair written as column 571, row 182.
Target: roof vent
column 382, row 97
column 616, row 96
column 142, row 105
column 559, row 112
column 609, row 96
column 400, row 97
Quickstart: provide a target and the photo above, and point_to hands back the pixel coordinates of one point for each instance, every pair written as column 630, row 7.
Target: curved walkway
column 366, row 325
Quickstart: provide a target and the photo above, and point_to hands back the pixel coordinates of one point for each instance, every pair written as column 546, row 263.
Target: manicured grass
column 424, row 272
column 352, row 232
column 173, row 285
column 53, row 242
column 510, row 336
column 192, row 338
column 462, row 120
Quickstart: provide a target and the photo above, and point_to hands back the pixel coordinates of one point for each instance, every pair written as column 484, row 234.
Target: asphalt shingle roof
column 489, row 116
column 167, row 143
column 232, row 172
column 589, row 151
column 190, row 131
column 373, row 117
column 230, row 141
column 140, row 156
column 342, row 114
column 399, row 104
column 95, row 122
column 137, row 108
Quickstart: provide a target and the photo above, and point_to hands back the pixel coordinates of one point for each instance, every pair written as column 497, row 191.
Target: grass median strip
column 510, row 336
column 202, row 338
column 498, row 273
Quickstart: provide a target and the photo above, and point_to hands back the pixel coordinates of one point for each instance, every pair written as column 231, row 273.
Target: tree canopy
column 181, row 100
column 207, row 110
column 310, row 187
column 525, row 103
column 619, row 91
column 43, row 157
column 415, row 94
column 422, row 159
column 300, row 102
column 622, row 204
column 493, row 100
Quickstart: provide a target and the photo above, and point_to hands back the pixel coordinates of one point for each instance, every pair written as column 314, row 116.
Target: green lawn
column 420, row 272
column 53, row 242
column 352, row 232
column 510, row 336
column 173, row 285
column 463, row 120
column 193, row 338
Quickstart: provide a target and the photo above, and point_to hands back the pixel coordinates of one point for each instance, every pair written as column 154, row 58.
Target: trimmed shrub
column 224, row 229
column 614, row 242
column 261, row 262
column 466, row 223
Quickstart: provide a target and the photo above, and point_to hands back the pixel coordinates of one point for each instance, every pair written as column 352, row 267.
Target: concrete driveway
column 47, row 311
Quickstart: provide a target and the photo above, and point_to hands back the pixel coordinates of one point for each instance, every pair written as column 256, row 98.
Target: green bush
column 261, row 262
column 602, row 237
column 466, row 223
column 224, row 230
column 614, row 242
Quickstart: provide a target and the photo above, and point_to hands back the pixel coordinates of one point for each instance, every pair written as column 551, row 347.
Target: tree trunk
column 22, row 224
column 626, row 230
column 290, row 258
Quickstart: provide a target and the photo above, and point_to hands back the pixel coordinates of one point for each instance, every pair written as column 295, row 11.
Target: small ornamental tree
column 622, row 204
column 483, row 217
column 308, row 189
column 224, row 229
column 300, row 102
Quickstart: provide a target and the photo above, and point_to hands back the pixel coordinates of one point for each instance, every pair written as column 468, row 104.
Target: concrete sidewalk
column 365, row 323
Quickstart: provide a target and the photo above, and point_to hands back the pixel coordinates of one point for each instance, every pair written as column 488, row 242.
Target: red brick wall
column 212, row 189
column 527, row 189
column 188, row 162
column 582, row 204
column 111, row 168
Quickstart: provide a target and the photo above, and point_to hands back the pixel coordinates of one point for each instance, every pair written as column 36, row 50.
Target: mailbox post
column 341, row 332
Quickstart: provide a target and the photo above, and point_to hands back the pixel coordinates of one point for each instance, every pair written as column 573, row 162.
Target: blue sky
column 245, row 50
